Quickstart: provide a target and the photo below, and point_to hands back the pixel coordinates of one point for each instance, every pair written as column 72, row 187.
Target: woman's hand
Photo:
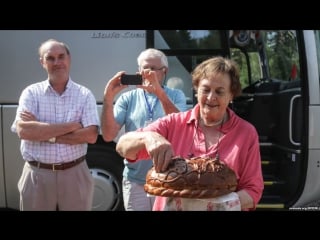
column 160, row 151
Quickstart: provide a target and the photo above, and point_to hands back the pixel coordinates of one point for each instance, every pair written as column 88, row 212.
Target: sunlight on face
column 214, row 96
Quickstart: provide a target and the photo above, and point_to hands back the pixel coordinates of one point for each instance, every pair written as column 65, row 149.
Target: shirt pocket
column 73, row 115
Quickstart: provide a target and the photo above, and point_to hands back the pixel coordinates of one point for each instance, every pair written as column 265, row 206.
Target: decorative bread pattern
column 192, row 178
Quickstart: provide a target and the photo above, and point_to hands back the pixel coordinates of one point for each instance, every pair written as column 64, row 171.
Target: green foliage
column 276, row 48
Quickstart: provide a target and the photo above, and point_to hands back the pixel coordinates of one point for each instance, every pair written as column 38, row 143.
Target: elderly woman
column 210, row 129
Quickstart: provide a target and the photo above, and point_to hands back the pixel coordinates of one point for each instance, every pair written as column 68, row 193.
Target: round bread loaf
column 192, row 178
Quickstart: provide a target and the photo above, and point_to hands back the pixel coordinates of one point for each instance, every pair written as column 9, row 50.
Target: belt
column 57, row 166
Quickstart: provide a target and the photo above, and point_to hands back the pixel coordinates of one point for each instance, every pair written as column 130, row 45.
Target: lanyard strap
column 150, row 107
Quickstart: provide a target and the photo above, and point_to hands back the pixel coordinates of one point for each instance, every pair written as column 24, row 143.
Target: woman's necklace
column 220, row 122
column 214, row 123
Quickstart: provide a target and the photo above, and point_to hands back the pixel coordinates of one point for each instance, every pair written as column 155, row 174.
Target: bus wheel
column 106, row 169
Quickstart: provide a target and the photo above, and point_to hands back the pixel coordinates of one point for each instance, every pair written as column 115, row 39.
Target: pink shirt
column 238, row 147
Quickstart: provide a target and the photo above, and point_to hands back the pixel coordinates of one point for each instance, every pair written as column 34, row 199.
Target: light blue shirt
column 133, row 109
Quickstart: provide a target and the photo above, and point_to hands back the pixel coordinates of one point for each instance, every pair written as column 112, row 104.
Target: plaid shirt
column 76, row 104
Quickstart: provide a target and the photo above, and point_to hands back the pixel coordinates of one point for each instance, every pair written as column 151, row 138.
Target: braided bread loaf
column 192, row 178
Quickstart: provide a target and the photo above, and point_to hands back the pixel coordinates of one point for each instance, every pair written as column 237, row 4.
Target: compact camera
column 131, row 79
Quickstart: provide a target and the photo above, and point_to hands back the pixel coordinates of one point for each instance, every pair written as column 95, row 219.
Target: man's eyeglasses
column 153, row 68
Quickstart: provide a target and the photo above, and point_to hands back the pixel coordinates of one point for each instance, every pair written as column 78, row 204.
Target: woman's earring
column 231, row 104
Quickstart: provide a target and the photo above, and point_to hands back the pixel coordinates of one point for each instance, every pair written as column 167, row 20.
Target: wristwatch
column 52, row 140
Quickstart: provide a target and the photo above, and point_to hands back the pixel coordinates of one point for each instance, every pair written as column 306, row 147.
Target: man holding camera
column 135, row 109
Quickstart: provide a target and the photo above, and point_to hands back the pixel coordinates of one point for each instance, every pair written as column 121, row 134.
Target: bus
column 280, row 97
